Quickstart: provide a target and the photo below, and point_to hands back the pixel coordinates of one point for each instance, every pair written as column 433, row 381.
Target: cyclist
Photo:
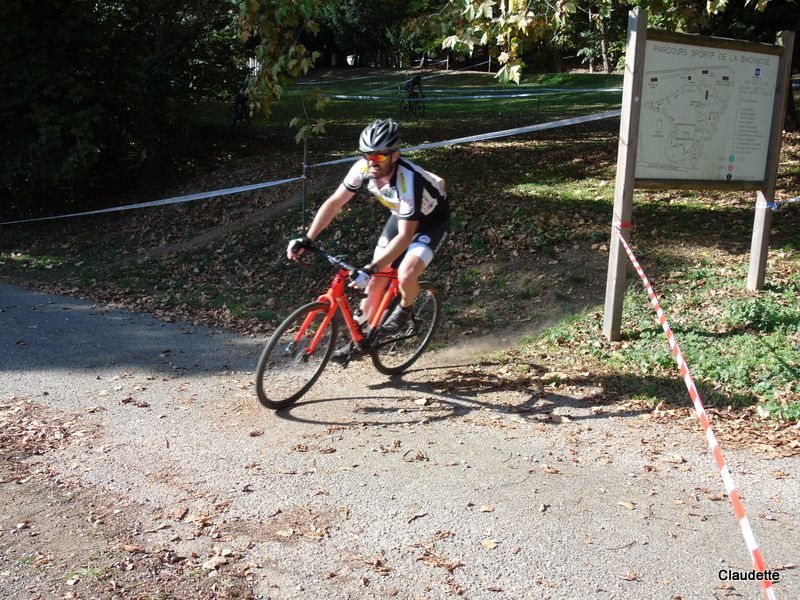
column 413, row 87
column 418, row 223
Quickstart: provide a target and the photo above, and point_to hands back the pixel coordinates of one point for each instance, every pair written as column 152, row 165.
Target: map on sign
column 706, row 113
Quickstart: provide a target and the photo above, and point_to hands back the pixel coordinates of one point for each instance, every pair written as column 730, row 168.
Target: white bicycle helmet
column 382, row 135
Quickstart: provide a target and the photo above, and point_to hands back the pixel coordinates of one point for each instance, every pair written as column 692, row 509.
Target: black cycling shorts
column 424, row 244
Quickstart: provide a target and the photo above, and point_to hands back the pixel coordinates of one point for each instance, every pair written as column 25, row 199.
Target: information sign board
column 706, row 112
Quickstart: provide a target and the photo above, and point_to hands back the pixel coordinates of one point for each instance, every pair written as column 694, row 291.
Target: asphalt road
column 434, row 485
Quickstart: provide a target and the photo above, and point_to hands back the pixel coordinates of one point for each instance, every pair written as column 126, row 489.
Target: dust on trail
column 468, row 350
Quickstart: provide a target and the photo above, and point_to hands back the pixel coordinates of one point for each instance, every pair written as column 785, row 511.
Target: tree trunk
column 791, row 111
column 790, row 123
column 591, row 50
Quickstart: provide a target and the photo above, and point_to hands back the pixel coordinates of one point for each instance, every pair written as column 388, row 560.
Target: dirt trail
column 138, row 462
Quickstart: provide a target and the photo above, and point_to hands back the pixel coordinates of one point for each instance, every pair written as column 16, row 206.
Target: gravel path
column 444, row 482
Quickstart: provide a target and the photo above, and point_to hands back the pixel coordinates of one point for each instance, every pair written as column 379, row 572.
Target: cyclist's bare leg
column 375, row 289
column 408, row 278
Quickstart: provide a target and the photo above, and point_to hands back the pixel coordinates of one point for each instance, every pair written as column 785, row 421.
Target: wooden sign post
column 697, row 113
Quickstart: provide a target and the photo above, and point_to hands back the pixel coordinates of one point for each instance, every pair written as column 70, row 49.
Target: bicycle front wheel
column 396, row 353
column 287, row 369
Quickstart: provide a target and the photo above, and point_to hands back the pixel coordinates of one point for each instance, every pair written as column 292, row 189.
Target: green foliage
column 674, row 15
column 715, row 6
column 740, row 20
column 276, row 28
column 508, row 28
column 90, row 89
column 765, row 314
column 361, row 27
column 786, row 411
column 505, row 27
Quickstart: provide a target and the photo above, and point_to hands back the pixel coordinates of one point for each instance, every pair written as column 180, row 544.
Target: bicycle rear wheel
column 286, row 370
column 395, row 353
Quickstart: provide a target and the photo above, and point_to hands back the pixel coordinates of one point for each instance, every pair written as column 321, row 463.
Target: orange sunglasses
column 377, row 157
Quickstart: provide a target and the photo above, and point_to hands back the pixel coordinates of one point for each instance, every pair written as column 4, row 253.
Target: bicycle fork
column 334, row 304
column 302, row 331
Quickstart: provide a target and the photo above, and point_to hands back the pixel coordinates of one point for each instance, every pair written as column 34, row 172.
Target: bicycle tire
column 280, row 380
column 398, row 352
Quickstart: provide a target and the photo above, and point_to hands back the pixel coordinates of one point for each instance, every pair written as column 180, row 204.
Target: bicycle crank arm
column 385, row 342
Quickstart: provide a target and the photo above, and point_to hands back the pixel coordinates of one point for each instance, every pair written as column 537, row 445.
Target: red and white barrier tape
column 727, row 478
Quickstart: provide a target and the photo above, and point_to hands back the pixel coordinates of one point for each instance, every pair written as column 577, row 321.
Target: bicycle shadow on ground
column 472, row 394
column 488, row 394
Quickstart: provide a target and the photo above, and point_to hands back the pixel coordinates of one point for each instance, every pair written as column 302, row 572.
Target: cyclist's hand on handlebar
column 297, row 246
column 360, row 279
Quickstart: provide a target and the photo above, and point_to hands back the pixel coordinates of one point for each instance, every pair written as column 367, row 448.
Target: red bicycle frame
column 336, row 299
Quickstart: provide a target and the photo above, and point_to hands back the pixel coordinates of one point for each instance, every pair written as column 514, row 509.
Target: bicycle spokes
column 298, row 351
column 295, row 355
column 397, row 352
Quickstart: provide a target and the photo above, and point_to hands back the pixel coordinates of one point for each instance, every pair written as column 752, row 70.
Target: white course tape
column 520, row 130
column 716, row 451
column 363, row 77
column 490, row 136
column 776, row 205
column 435, row 75
column 246, row 188
column 164, row 202
column 500, row 93
column 788, row 201
column 466, row 68
column 490, row 96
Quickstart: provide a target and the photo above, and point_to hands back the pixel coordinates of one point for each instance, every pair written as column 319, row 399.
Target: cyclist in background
column 413, row 87
column 418, row 222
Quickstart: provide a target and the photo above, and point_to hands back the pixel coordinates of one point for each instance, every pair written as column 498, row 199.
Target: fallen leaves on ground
column 430, row 557
column 737, row 428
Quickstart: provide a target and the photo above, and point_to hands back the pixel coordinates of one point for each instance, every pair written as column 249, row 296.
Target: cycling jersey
column 412, row 194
